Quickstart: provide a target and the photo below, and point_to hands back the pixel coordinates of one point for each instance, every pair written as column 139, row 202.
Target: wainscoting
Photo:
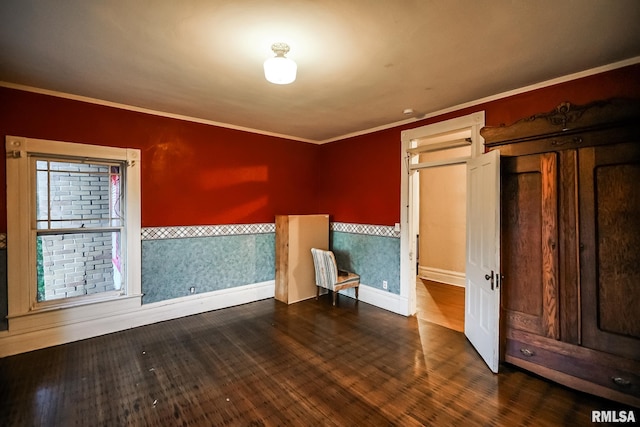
column 173, row 267
column 373, row 251
column 193, row 269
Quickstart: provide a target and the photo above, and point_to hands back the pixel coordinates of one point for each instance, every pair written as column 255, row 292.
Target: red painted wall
column 361, row 178
column 192, row 174
column 362, row 174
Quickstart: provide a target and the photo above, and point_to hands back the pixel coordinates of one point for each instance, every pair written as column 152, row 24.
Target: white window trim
column 20, row 251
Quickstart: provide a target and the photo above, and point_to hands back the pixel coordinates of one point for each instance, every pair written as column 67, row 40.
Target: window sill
column 72, row 312
column 62, row 303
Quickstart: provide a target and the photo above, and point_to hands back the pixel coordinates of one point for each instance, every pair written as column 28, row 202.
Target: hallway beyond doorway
column 440, row 303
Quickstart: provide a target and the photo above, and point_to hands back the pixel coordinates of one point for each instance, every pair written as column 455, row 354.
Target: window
column 78, row 227
column 453, row 147
column 74, row 234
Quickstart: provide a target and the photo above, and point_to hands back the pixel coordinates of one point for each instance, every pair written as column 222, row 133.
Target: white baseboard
column 449, row 277
column 384, row 299
column 379, row 298
column 19, row 342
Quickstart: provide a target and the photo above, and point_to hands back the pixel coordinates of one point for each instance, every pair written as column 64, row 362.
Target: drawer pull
column 526, row 352
column 620, row 381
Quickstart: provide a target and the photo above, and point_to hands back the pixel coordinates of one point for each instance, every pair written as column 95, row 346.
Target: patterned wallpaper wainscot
column 207, row 258
column 214, row 257
column 373, row 251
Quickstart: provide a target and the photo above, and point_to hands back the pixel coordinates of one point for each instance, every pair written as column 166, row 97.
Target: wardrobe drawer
column 605, row 370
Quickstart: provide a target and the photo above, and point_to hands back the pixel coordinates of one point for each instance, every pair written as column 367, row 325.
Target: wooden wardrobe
column 570, row 245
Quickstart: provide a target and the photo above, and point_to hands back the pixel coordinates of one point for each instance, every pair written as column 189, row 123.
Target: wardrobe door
column 609, row 182
column 529, row 244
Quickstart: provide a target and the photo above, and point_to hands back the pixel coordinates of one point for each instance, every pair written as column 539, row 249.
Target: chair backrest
column 326, row 268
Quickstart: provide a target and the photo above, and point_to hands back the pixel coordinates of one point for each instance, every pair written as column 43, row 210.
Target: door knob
column 490, row 277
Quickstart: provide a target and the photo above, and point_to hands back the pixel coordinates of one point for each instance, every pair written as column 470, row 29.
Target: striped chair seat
column 327, row 274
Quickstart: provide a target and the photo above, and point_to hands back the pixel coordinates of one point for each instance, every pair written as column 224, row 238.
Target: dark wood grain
column 565, row 123
column 568, row 272
column 268, row 363
column 521, row 235
column 610, row 242
column 575, row 366
column 570, row 296
column 618, row 208
column 530, row 243
column 549, row 211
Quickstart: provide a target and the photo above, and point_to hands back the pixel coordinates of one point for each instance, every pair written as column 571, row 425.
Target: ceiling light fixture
column 279, row 69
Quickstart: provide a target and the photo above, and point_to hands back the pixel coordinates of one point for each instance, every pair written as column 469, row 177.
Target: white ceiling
column 360, row 62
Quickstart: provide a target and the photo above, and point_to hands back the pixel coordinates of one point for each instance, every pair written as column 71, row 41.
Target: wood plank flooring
column 268, row 364
column 440, row 303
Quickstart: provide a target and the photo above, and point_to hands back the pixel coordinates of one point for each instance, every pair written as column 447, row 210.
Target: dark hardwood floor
column 267, row 363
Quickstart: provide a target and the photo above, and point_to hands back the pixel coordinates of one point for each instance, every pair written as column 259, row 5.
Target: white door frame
column 408, row 194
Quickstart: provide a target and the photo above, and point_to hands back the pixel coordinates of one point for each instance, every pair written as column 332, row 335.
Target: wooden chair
column 329, row 277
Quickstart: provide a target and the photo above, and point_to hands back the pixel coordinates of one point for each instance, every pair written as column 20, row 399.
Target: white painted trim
column 133, row 228
column 470, row 122
column 15, row 343
column 436, row 163
column 546, row 83
column 21, row 254
column 449, row 277
column 407, row 262
column 57, row 317
column 104, row 103
column 374, row 296
column 383, row 299
column 61, row 148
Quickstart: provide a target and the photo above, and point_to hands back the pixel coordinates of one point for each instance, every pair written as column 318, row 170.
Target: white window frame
column 23, row 310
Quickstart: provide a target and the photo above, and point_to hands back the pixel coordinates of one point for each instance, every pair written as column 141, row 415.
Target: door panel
column 529, row 242
column 609, row 242
column 482, row 294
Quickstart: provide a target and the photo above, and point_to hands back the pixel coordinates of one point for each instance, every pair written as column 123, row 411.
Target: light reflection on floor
column 440, row 304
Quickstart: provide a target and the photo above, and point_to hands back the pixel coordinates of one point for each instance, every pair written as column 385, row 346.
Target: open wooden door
column 482, row 294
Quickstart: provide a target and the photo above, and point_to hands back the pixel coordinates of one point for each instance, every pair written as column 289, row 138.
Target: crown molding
column 563, row 79
column 546, row 83
column 104, row 103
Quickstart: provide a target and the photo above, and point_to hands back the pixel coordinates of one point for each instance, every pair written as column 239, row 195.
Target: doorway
column 482, row 248
column 440, row 304
column 438, row 152
column 441, row 241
